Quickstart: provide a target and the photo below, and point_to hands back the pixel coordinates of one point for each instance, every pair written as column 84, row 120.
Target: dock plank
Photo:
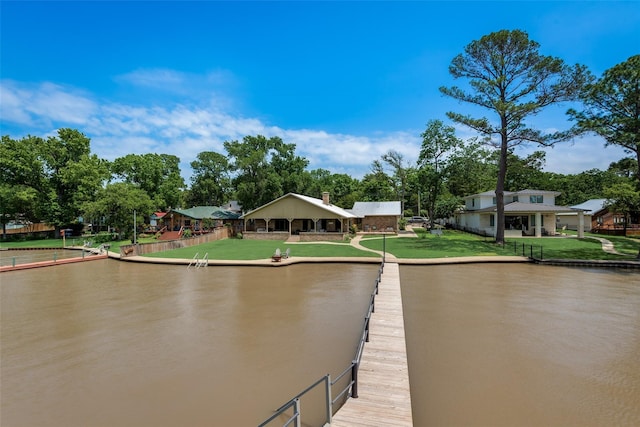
column 383, row 378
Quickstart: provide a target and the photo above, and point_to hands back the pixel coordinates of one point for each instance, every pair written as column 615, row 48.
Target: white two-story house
column 526, row 213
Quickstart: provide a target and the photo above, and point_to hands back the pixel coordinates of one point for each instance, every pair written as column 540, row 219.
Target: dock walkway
column 383, row 378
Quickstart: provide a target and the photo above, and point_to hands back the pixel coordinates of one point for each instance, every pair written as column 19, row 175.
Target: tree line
column 58, row 180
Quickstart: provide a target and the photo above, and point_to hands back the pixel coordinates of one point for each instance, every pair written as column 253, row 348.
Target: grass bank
column 454, row 243
column 245, row 250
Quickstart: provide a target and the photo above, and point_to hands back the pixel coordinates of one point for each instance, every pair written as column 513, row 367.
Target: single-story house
column 374, row 217
column 602, row 219
column 199, row 218
column 155, row 220
column 526, row 212
column 295, row 214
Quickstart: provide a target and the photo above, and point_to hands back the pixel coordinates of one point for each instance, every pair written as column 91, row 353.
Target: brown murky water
column 522, row 345
column 108, row 343
column 15, row 257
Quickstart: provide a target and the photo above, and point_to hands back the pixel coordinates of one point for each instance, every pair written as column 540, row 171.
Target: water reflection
column 522, row 345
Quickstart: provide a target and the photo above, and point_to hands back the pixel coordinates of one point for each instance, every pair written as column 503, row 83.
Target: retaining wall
column 146, row 248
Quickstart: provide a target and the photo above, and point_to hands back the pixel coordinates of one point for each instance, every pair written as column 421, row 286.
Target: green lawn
column 454, row 243
column 451, row 244
column 240, row 249
column 69, row 241
column 44, row 243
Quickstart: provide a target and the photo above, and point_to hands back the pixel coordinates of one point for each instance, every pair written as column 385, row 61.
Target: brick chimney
column 325, row 197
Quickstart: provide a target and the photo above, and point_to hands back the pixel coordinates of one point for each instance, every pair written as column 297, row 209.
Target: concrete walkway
column 607, row 246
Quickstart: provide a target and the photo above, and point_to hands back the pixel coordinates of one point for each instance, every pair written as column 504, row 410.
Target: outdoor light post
column 384, row 247
column 134, row 227
column 4, row 218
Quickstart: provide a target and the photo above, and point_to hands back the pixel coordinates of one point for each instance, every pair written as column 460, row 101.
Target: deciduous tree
column 377, row 186
column 116, row 204
column 210, row 182
column 438, row 143
column 624, row 199
column 265, row 168
column 157, row 174
column 396, row 161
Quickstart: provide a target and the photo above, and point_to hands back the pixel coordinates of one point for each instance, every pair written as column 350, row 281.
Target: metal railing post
column 329, row 399
column 296, row 412
column 366, row 328
column 354, row 379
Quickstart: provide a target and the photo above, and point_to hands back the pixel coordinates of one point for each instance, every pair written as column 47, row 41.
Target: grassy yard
column 69, row 241
column 451, row 244
column 45, row 243
column 239, row 249
column 454, row 243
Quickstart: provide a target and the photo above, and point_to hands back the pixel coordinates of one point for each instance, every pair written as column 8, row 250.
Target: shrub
column 104, row 238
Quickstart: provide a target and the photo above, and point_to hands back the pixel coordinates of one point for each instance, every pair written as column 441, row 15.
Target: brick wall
column 272, row 235
column 319, row 237
column 379, row 223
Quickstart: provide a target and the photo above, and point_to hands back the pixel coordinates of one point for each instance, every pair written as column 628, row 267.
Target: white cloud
column 117, row 129
column 580, row 155
column 44, row 104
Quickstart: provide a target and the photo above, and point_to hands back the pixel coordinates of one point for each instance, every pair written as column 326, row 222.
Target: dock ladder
column 199, row 262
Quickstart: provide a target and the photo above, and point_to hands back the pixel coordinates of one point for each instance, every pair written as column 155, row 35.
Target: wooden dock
column 383, row 379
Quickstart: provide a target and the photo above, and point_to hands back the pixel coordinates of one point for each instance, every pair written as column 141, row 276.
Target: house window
column 492, row 221
column 494, row 201
column 473, row 202
column 535, row 199
column 515, row 198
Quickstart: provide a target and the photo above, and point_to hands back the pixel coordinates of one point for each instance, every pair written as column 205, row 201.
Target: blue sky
column 345, row 81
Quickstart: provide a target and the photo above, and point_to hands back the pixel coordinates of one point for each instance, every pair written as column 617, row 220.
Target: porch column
column 495, row 224
column 538, row 224
column 315, row 224
column 290, row 221
column 580, row 224
column 266, row 221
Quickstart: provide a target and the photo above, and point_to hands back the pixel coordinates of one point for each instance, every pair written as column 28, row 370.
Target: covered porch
column 294, row 214
column 527, row 219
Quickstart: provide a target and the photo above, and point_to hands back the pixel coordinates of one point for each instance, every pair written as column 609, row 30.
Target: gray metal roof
column 593, row 205
column 511, row 193
column 362, row 209
column 516, row 207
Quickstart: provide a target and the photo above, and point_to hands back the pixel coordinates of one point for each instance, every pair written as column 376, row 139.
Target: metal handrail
column 353, row 368
column 193, row 260
column 204, row 262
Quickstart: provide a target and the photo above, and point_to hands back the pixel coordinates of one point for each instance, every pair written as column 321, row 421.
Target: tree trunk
column 502, row 173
